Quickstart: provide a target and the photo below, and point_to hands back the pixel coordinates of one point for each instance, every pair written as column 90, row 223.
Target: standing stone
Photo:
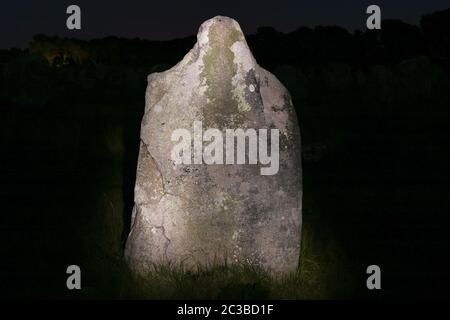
column 198, row 214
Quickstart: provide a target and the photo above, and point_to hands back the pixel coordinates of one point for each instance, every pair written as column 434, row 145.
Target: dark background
column 166, row 20
column 373, row 108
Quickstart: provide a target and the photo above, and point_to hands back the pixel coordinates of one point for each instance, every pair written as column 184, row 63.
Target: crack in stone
column 164, row 193
column 157, row 168
column 168, row 241
column 163, row 185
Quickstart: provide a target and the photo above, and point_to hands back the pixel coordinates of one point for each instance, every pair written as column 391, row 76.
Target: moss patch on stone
column 222, row 109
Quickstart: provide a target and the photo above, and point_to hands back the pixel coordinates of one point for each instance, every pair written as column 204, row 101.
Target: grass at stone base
column 316, row 278
column 323, row 274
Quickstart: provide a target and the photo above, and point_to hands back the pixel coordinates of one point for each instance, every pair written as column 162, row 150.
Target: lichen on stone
column 224, row 108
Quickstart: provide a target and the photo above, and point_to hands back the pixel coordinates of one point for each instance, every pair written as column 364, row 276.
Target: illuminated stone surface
column 202, row 214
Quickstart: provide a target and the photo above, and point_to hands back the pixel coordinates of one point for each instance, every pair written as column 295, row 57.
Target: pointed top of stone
column 225, row 26
column 223, row 35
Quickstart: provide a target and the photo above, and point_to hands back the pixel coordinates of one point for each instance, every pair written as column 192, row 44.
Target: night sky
column 162, row 20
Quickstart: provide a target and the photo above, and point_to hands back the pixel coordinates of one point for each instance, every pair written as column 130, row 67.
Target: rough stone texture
column 206, row 214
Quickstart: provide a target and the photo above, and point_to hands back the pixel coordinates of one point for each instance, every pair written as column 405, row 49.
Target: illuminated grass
column 322, row 274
